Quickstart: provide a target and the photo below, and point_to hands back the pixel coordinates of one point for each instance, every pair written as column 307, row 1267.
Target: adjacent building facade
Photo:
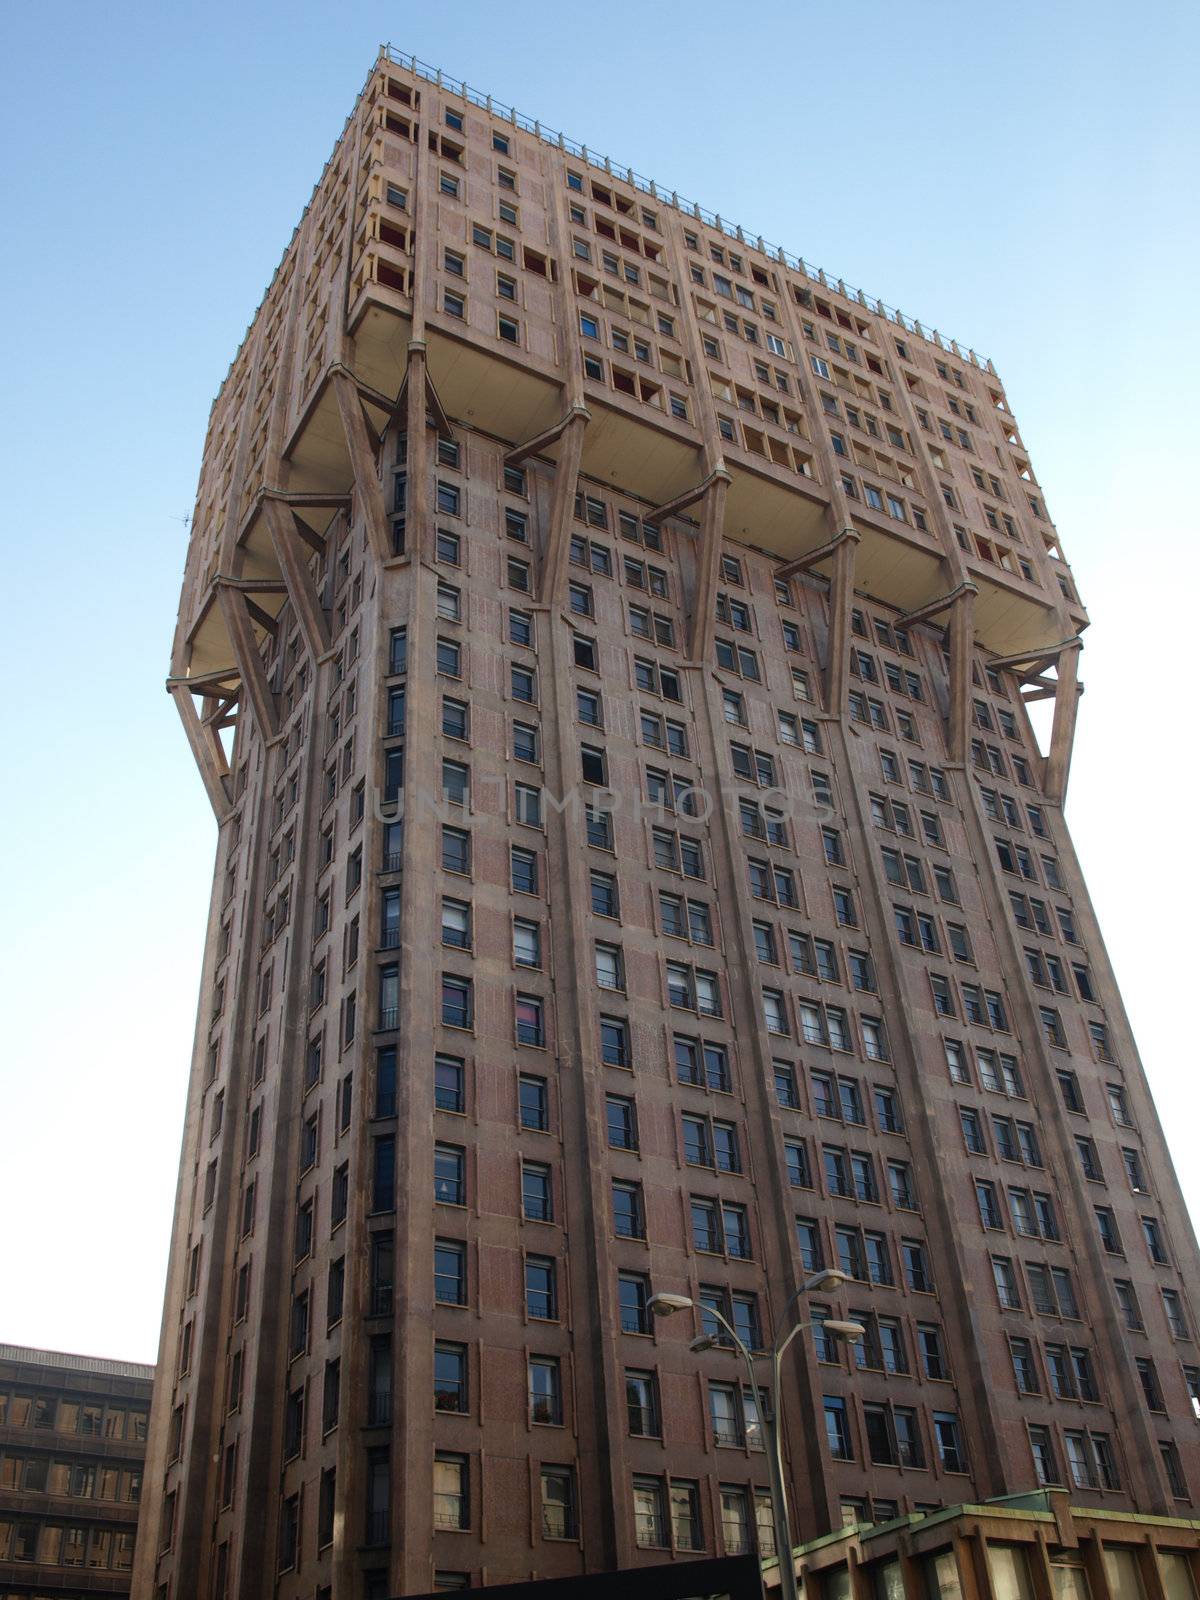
column 72, row 1443
column 606, row 642
column 1019, row 1547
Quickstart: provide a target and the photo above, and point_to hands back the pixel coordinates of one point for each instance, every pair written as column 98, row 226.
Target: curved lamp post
column 666, row 1305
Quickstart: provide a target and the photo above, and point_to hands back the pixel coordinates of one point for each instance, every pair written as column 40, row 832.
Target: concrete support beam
column 282, row 524
column 962, row 650
column 206, row 748
column 255, row 687
column 1062, row 734
column 548, row 436
column 417, row 530
column 823, row 552
column 934, row 608
column 691, row 497
column 367, row 487
column 841, row 603
column 554, row 562
column 708, row 567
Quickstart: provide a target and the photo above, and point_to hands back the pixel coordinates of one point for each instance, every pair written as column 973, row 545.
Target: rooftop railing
column 648, row 186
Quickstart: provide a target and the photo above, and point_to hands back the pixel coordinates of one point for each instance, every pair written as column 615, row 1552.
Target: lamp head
column 851, row 1332
column 666, row 1305
column 825, row 1281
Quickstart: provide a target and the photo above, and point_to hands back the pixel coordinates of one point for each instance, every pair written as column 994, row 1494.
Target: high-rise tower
column 532, row 485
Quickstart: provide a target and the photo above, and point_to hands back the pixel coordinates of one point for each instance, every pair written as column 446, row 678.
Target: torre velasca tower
column 606, row 642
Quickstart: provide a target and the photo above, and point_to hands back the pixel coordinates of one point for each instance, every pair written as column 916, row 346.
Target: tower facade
column 606, row 643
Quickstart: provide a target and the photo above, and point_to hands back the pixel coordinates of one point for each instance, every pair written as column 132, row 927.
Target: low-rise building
column 72, row 1445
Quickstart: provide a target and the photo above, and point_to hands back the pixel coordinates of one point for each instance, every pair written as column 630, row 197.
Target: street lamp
column 666, row 1305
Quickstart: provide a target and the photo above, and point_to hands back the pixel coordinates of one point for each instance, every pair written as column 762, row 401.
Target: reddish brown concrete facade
column 72, row 1442
column 529, row 482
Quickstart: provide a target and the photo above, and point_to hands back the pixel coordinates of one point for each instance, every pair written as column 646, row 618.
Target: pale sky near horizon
column 1022, row 177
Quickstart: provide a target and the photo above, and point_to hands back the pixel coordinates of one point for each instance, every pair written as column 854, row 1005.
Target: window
column 527, row 943
column 450, row 1272
column 382, row 1276
column 615, row 1047
column 649, row 1514
column 874, row 1039
column 642, row 1406
column 537, row 1195
column 527, row 804
column 559, row 1516
column 1173, row 1306
column 541, row 1288
column 686, row 1524
column 456, row 850
column 837, row 1429
column 520, row 631
column 634, row 1295
column 1089, row 1159
column 525, row 741
column 530, row 1020
column 450, row 1377
column 451, row 1491
column 1110, row 1238
column 449, row 1174
column 621, row 1115
column 1090, row 1459
column 524, row 871
column 545, row 1390
column 1041, row 1444
column 1174, row 1471
column 456, row 923
column 449, row 547
column 383, row 1187
column 900, row 1184
column 610, row 966
column 456, row 1001
column 533, row 1103
column 629, row 1220
column 449, row 658
column 948, row 1440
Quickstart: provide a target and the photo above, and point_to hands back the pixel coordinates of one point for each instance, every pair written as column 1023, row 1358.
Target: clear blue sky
column 1022, row 176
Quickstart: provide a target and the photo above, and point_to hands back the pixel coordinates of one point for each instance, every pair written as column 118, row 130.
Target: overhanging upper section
column 537, row 279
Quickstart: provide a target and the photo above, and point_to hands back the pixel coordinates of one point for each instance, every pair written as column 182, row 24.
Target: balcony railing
column 449, row 1511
